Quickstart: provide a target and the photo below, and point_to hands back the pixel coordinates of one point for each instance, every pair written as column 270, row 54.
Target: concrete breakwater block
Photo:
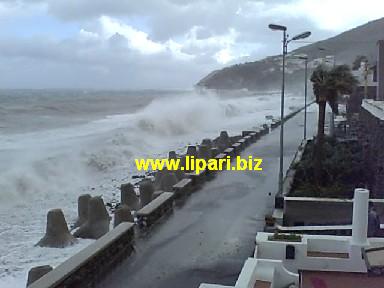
column 37, row 272
column 172, row 155
column 146, row 192
column 168, row 180
column 223, row 141
column 122, row 214
column 158, row 177
column 207, row 142
column 191, row 151
column 128, row 196
column 224, row 135
column 205, row 152
column 57, row 234
column 98, row 220
column 82, row 210
column 179, row 173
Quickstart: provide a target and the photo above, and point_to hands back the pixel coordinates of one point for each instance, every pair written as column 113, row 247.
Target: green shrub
column 285, row 237
column 343, row 171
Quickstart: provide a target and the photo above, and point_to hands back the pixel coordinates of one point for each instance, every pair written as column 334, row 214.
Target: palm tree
column 328, row 84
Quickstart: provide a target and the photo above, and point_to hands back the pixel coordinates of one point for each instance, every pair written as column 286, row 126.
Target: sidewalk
column 210, row 237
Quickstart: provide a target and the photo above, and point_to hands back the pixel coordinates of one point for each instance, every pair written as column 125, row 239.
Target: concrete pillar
column 158, row 177
column 179, row 174
column 380, row 70
column 360, row 217
column 192, row 151
column 122, row 214
column 146, row 192
column 128, row 196
column 172, row 155
column 82, row 209
column 35, row 273
column 98, row 220
column 224, row 135
column 223, row 141
column 57, row 234
column 207, row 142
column 167, row 182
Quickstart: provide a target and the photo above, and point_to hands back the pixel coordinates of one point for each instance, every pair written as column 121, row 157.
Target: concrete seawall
column 89, row 266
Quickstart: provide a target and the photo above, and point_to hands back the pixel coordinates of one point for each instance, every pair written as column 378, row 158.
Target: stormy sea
column 58, row 144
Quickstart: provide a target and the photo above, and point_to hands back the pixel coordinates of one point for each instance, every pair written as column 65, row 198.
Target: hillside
column 265, row 74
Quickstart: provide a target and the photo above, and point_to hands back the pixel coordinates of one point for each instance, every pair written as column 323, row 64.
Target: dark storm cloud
column 86, row 64
column 150, row 43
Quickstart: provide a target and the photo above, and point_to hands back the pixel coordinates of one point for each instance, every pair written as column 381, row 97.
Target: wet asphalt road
column 209, row 238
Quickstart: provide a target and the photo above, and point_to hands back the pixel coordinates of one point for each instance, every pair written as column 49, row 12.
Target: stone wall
column 371, row 135
column 307, row 211
column 301, row 211
column 90, row 265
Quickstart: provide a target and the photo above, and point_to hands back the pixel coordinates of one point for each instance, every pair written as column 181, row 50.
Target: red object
column 318, row 283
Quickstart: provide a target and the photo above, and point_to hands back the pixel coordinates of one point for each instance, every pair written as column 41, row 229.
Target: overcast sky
column 153, row 43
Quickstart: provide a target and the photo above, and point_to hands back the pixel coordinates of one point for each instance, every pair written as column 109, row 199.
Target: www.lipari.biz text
column 199, row 164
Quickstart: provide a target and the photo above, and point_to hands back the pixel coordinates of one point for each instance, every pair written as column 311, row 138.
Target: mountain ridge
column 265, row 74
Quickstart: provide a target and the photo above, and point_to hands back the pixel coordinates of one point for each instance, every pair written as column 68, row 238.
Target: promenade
column 210, row 237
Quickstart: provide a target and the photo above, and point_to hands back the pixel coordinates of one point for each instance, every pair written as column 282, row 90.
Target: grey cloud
column 37, row 63
column 90, row 63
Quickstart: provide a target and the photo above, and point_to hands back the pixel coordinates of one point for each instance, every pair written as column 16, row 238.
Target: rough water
column 58, row 144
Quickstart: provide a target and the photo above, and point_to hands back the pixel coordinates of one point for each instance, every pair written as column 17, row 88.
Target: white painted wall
column 276, row 250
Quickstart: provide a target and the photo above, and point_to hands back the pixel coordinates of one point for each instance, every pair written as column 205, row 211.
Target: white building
column 279, row 262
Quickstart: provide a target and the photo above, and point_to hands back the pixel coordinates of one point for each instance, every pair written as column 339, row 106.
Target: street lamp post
column 305, row 97
column 286, row 41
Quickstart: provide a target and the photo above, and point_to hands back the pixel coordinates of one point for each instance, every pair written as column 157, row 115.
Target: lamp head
column 302, row 36
column 277, row 27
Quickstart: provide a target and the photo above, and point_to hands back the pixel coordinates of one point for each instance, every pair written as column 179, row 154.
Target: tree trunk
column 319, row 144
